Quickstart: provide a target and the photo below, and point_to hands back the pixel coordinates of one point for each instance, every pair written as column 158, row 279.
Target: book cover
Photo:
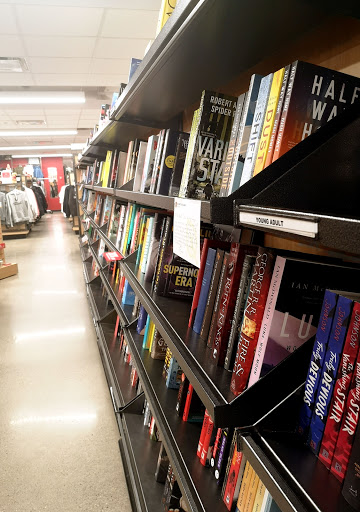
column 204, row 456
column 329, row 372
column 269, row 119
column 154, row 246
column 160, row 280
column 166, row 9
column 258, row 121
column 158, row 347
column 128, row 296
column 341, row 388
column 228, row 464
column 259, row 498
column 215, row 447
column 267, row 501
column 221, row 284
column 349, row 423
column 244, row 488
column 139, row 163
column 194, row 410
column 105, row 215
column 222, row 454
column 314, row 96
column 123, row 211
column 146, row 332
column 228, row 299
column 125, row 230
column 167, row 162
column 128, row 162
column 253, row 486
column 226, row 178
column 180, row 155
column 106, row 169
column 146, row 245
column 134, row 64
column 149, row 163
column 234, row 478
column 182, row 394
column 167, row 360
column 212, row 293
column 351, row 487
column 189, row 154
column 203, row 434
column 206, row 163
column 241, row 298
column 120, row 174
column 129, row 234
column 204, row 291
column 98, row 210
column 173, row 375
column 135, row 232
column 253, row 314
column 157, row 161
column 140, row 327
column 317, row 360
column 134, row 159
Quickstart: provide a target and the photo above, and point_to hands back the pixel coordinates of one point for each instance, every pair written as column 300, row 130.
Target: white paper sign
column 301, row 227
column 187, row 229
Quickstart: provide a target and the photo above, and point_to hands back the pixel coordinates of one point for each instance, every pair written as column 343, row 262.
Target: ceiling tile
column 11, row 46
column 129, row 23
column 59, row 20
column 65, row 123
column 61, row 79
column 42, row 46
column 90, row 113
column 117, row 48
column 87, row 123
column 107, row 80
column 16, row 112
column 110, row 66
column 63, row 112
column 8, row 21
column 58, row 65
column 15, row 79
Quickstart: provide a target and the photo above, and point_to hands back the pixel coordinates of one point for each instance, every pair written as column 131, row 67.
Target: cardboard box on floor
column 6, row 269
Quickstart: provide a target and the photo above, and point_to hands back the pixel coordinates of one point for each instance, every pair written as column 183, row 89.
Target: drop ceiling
column 68, row 45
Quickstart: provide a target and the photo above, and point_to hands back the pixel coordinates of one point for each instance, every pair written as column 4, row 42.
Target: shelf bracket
column 135, row 406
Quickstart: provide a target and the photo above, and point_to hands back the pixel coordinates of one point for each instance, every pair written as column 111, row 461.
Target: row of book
column 331, row 403
column 233, row 138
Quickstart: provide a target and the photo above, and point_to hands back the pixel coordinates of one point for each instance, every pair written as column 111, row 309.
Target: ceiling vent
column 13, row 65
column 34, row 122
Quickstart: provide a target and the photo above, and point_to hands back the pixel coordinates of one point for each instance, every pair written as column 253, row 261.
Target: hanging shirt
column 18, row 207
column 32, row 202
column 38, row 172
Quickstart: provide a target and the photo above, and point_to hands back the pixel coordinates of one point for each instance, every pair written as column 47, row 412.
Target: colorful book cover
column 158, row 346
column 106, row 169
column 212, row 293
column 253, row 486
column 253, row 314
column 135, row 232
column 125, row 230
column 128, row 238
column 268, row 121
column 205, row 285
column 314, row 96
column 206, row 163
column 348, row 426
column 193, row 409
column 167, row 162
column 259, row 498
column 341, row 388
column 105, row 215
column 140, row 327
column 99, row 206
column 167, row 360
column 244, row 488
column 232, row 484
column 317, row 360
column 226, row 178
column 329, row 372
column 228, row 299
column 180, row 155
column 149, row 163
column 142, row 234
column 351, row 487
column 128, row 296
column 153, row 251
column 159, row 281
column 148, row 327
column 182, row 394
column 211, row 333
column 139, row 163
column 166, row 9
column 256, row 128
column 173, row 377
column 203, row 434
column 206, row 442
column 222, row 454
column 146, row 245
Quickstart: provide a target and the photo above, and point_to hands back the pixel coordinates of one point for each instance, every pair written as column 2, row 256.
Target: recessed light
column 13, row 65
column 36, row 98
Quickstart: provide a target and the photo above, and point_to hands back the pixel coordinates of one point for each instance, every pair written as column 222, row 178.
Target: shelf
column 118, row 135
column 125, row 312
column 99, row 307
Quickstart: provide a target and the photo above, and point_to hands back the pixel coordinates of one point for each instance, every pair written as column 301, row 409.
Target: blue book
column 173, row 377
column 141, row 320
column 135, row 63
column 317, row 359
column 204, row 292
column 329, row 372
column 128, row 297
column 146, row 332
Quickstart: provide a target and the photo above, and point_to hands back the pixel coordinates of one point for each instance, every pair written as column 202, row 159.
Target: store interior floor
column 59, row 447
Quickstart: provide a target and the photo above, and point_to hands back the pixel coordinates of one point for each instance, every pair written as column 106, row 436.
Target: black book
column 181, row 149
column 222, row 454
column 162, row 465
column 182, row 394
column 167, row 162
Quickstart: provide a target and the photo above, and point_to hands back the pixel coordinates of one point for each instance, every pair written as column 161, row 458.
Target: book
column 204, row 291
column 259, row 498
column 233, row 481
column 154, row 245
column 329, row 372
column 351, row 487
column 167, row 360
column 149, row 163
column 203, row 169
column 146, row 332
column 250, row 498
column 204, row 456
column 166, row 9
column 180, row 155
column 269, row 119
column 226, row 178
column 203, row 433
column 256, row 128
column 212, row 293
column 173, row 374
column 246, row 122
column 193, row 409
column 157, row 161
column 341, row 388
column 182, row 394
column 317, row 360
column 139, row 163
column 227, row 300
column 158, row 347
column 189, row 153
column 159, row 281
column 167, row 162
column 140, row 327
column 162, row 465
column 314, row 96
column 241, row 297
column 253, row 314
column 128, row 296
column 105, row 214
column 222, row 454
column 134, row 64
column 244, row 488
column 122, row 157
column 128, row 162
column 221, row 284
column 147, row 240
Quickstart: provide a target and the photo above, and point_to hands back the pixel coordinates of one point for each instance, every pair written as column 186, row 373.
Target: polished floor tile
column 59, row 438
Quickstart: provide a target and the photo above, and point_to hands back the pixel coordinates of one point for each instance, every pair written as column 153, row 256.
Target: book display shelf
column 309, row 195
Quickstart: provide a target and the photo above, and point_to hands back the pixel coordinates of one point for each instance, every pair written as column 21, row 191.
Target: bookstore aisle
column 59, row 438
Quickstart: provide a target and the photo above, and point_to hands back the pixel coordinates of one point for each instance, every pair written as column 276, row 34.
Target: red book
column 253, row 313
column 228, row 300
column 208, row 243
column 203, row 434
column 188, row 402
column 206, row 444
column 233, row 484
column 348, row 426
column 216, row 444
column 342, row 385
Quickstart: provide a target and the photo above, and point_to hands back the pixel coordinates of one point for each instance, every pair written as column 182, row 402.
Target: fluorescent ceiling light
column 30, row 133
column 41, row 98
column 41, row 156
column 37, row 148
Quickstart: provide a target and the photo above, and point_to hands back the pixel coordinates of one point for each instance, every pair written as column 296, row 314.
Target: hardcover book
column 341, row 388
column 180, row 155
column 139, row 165
column 167, row 162
column 202, row 434
column 351, row 487
column 218, row 264
column 203, row 169
column 194, row 410
column 222, row 454
column 149, row 163
column 154, row 246
column 157, row 161
column 233, row 480
column 211, row 334
column 182, row 394
column 204, row 291
column 314, row 96
column 206, row 441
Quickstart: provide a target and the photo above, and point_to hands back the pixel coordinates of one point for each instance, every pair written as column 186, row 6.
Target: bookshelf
column 190, row 41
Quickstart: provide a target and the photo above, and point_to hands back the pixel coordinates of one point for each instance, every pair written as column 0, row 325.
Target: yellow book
column 106, row 169
column 151, row 335
column 126, row 236
column 166, row 10
column 268, row 121
column 250, row 499
column 259, row 498
column 244, row 489
column 144, row 242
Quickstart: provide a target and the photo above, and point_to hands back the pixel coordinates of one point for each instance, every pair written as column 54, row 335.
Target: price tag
column 112, row 256
column 6, row 177
column 301, row 227
column 187, row 229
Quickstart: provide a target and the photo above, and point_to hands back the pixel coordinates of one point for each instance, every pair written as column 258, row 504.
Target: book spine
column 253, row 315
column 348, row 426
column 232, row 488
column 270, row 151
column 238, row 311
column 205, row 285
column 206, row 442
column 181, row 151
column 329, row 372
column 188, row 402
column 259, row 498
column 277, row 147
column 215, row 449
column 182, row 394
column 157, row 160
column 191, row 150
column 212, row 294
column 211, row 335
column 341, row 388
column 141, row 320
column 252, row 493
column 146, row 332
column 173, row 376
column 158, row 347
column 317, row 360
column 149, row 163
column 228, row 463
column 198, row 285
column 202, row 434
column 221, row 458
column 244, row 488
column 167, row 163
column 159, row 283
column 147, row 241
column 351, row 487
